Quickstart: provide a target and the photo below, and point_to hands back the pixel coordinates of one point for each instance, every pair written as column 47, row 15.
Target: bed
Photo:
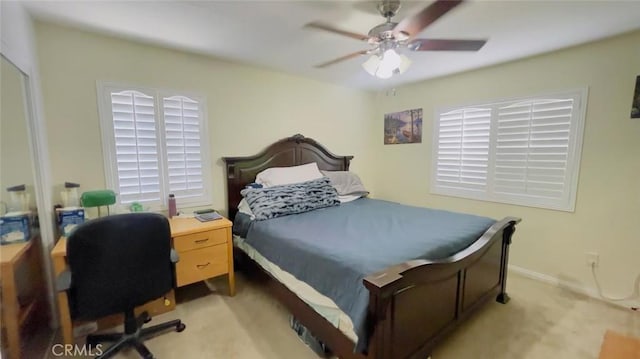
column 411, row 305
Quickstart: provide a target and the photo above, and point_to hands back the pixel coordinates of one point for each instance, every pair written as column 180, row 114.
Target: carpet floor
column 540, row 321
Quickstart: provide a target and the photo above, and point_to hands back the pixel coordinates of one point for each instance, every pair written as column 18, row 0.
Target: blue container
column 69, row 219
column 15, row 228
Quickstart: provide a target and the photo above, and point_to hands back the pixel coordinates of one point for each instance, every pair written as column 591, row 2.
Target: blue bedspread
column 333, row 249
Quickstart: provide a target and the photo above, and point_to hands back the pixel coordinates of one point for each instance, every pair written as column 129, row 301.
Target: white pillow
column 347, row 184
column 348, row 198
column 277, row 176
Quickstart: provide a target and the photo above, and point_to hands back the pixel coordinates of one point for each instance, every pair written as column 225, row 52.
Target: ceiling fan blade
column 413, row 25
column 343, row 58
column 446, row 45
column 325, row 27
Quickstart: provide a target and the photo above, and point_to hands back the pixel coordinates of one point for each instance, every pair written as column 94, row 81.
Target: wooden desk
column 205, row 250
column 14, row 313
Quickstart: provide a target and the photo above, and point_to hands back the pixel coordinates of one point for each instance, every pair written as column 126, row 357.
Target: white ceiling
column 270, row 34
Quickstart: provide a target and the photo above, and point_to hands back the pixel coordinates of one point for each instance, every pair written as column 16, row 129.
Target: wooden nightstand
column 205, row 250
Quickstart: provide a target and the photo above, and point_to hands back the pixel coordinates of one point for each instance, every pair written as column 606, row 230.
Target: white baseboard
column 572, row 286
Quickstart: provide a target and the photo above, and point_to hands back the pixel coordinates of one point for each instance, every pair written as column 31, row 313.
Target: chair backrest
column 117, row 263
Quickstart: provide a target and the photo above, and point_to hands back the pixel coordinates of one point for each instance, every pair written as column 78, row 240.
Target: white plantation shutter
column 533, row 151
column 136, row 147
column 154, row 144
column 463, row 149
column 533, row 147
column 182, row 121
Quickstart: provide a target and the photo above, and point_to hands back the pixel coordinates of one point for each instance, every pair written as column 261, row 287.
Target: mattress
column 333, row 249
column 322, row 304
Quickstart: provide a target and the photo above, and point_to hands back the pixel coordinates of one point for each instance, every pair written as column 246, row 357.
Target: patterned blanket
column 278, row 201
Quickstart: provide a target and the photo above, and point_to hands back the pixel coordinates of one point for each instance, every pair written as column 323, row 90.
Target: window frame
column 104, row 90
column 574, row 154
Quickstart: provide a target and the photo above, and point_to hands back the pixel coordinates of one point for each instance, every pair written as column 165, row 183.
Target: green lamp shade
column 98, row 198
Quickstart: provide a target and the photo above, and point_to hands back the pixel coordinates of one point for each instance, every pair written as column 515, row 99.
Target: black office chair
column 116, row 264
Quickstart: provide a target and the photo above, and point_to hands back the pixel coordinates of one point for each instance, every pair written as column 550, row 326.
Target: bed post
column 381, row 292
column 503, row 297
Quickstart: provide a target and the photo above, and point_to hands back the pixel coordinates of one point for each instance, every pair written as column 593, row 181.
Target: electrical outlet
column 592, row 259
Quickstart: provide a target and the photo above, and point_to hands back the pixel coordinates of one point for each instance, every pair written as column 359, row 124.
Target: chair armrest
column 63, row 281
column 174, row 256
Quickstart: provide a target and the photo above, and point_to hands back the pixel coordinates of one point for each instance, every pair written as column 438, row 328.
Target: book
column 209, row 216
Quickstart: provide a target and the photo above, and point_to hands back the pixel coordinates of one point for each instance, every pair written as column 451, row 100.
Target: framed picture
column 635, row 105
column 403, row 127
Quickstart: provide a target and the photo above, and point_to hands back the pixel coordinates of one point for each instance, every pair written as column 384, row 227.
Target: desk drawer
column 200, row 239
column 200, row 264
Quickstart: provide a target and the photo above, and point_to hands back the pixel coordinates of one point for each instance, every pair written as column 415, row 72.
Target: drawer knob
column 203, row 265
column 201, row 240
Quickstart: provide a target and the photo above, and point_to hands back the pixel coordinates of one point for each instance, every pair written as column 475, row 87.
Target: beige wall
column 608, row 199
column 248, row 108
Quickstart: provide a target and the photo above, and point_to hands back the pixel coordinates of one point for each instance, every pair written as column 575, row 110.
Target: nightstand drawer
column 200, row 239
column 200, row 264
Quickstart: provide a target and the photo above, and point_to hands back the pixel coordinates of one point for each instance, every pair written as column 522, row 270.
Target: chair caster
column 180, row 327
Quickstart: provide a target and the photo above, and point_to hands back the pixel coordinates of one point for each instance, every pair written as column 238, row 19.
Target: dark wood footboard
column 415, row 304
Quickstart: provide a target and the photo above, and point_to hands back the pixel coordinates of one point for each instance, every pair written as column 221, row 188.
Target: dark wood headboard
column 292, row 151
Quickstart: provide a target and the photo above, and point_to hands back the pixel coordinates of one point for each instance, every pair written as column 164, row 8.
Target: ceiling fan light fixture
column 390, row 59
column 389, row 39
column 405, row 62
column 384, row 72
column 371, row 65
column 387, row 64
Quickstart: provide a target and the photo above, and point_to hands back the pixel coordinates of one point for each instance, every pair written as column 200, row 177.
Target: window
column 523, row 151
column 154, row 143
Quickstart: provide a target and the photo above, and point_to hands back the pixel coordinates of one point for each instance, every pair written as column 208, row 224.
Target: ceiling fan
column 389, row 37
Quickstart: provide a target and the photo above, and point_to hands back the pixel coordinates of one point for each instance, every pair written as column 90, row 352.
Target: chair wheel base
column 180, row 327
